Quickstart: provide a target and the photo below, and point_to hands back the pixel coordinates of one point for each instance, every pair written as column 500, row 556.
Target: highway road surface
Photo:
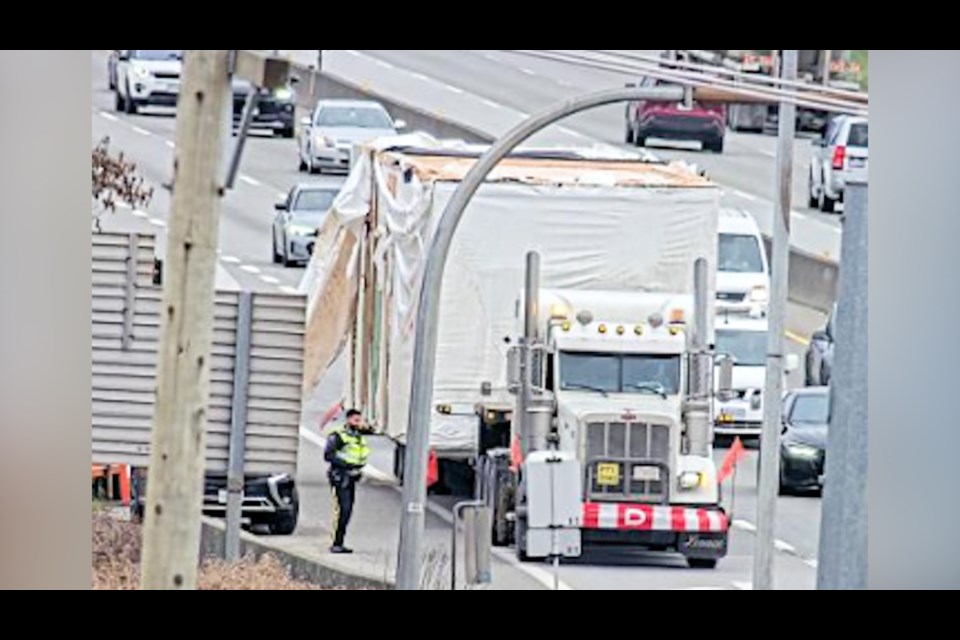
column 268, row 171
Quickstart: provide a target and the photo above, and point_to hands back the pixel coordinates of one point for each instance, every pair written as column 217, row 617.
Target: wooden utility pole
column 175, row 490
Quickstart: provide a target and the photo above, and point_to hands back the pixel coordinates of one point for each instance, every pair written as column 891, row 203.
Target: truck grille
column 637, row 449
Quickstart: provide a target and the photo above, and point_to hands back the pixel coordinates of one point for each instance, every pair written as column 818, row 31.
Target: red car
column 702, row 122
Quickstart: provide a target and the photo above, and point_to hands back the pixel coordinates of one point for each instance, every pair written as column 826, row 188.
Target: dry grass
column 116, row 564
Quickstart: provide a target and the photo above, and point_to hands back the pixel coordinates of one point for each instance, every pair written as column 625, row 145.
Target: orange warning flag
column 734, row 456
column 516, row 454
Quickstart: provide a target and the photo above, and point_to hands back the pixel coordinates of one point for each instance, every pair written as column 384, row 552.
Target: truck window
column 858, row 136
column 748, row 348
column 740, row 254
column 615, row 373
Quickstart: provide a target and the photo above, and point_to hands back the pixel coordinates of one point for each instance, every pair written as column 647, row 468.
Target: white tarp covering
column 591, row 235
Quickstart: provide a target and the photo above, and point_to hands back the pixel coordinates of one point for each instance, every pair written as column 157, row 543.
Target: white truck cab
column 743, row 273
column 744, row 339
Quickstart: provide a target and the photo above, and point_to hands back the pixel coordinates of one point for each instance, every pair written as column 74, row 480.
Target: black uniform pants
column 344, row 488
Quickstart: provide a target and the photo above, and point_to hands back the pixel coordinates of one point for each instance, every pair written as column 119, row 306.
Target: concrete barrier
column 813, row 280
column 314, row 571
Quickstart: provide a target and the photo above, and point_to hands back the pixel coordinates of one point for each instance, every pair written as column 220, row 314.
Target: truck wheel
column 398, row 454
column 284, row 523
column 520, row 539
column 498, row 493
column 702, row 563
column 827, row 204
column 812, row 200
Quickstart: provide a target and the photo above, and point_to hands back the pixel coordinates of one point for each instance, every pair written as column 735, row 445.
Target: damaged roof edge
column 547, row 167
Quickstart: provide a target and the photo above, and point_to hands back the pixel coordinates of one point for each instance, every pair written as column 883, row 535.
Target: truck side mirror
column 725, row 387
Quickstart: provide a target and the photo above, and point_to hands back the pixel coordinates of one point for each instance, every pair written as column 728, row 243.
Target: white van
column 745, row 339
column 743, row 274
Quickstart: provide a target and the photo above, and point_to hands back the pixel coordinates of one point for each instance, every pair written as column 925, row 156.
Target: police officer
column 347, row 453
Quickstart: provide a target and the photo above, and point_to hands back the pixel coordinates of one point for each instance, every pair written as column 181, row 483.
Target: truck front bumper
column 693, row 532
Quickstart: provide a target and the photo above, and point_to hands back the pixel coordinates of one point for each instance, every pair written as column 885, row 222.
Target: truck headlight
column 300, row 232
column 690, row 480
column 283, row 94
column 141, row 72
column 802, row 451
column 759, row 294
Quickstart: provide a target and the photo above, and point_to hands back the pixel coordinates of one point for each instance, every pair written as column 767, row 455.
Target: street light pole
column 773, row 391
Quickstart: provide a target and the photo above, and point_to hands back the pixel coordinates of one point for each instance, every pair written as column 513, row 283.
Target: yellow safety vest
column 354, row 451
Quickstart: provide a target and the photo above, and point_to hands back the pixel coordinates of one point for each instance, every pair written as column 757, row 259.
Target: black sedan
column 275, row 111
column 819, row 359
column 803, row 442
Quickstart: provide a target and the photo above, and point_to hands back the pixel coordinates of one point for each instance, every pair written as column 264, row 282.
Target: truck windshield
column 620, row 373
column 748, row 348
column 740, row 254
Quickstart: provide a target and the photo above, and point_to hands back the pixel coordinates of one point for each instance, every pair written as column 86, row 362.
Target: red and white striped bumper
column 645, row 517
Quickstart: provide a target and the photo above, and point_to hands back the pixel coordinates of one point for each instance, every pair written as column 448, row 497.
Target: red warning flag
column 331, row 413
column 516, row 454
column 734, row 456
column 433, row 469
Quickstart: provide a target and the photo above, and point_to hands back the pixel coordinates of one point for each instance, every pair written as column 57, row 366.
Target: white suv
column 147, row 78
column 841, row 157
column 743, row 274
column 745, row 339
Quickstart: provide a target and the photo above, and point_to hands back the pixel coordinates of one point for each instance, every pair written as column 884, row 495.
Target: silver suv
column 841, row 157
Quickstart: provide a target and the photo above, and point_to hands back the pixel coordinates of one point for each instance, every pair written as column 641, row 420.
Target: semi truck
column 619, row 241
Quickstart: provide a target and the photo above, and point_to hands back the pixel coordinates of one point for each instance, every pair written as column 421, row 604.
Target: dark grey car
column 803, row 441
column 297, row 222
column 819, row 359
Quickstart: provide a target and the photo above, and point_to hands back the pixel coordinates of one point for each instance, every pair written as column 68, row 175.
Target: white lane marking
column 354, row 53
column 109, row 116
column 142, row 131
column 384, row 64
column 141, row 214
column 231, row 259
column 492, row 104
column 811, row 563
column 249, row 268
column 269, row 279
column 456, row 90
column 289, row 290
column 529, row 72
column 170, row 143
column 744, row 195
column 571, row 132
column 123, row 205
column 742, row 586
column 157, row 222
column 565, row 84
column 523, row 114
column 785, row 547
column 490, row 57
column 253, row 182
column 743, row 525
column 769, row 154
column 419, row 76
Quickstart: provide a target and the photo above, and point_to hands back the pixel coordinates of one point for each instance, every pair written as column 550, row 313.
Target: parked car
column 275, row 110
column 703, row 122
column 803, row 440
column 112, row 61
column 819, row 359
column 298, row 220
column 841, row 156
column 328, row 136
column 743, row 274
column 147, row 78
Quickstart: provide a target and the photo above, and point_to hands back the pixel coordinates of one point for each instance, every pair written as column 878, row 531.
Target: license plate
column 608, row 475
column 732, row 415
column 857, row 163
column 646, row 474
column 222, row 496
